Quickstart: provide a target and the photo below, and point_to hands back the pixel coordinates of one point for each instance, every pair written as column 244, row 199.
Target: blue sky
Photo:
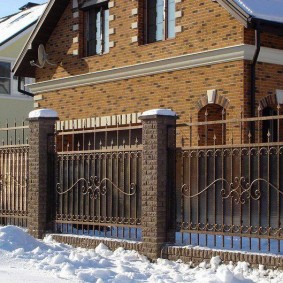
column 8, row 7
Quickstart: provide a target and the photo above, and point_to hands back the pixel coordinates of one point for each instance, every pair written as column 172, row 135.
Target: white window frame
column 165, row 22
column 104, row 47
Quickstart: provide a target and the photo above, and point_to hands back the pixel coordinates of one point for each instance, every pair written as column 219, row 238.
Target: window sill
column 94, row 55
column 158, row 42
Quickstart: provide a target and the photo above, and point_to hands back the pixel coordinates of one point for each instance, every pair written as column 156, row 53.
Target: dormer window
column 159, row 20
column 5, row 78
column 96, row 27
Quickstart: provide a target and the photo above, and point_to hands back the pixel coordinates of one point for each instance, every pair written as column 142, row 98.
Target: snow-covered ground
column 25, row 259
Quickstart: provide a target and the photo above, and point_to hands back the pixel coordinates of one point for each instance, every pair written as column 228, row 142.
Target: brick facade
column 155, row 91
column 205, row 26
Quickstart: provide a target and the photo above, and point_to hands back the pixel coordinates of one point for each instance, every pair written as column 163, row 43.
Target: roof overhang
column 249, row 21
column 40, row 35
column 235, row 10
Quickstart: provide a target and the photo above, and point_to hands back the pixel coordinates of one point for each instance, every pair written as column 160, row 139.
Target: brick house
column 138, row 60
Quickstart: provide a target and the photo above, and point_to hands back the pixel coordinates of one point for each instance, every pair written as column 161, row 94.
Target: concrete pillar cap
column 43, row 113
column 159, row 112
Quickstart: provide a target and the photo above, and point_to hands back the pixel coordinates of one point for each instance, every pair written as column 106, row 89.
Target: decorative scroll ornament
column 239, row 190
column 6, row 178
column 94, row 187
column 228, row 228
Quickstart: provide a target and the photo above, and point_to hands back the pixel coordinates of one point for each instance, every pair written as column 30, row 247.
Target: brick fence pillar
column 41, row 124
column 156, row 191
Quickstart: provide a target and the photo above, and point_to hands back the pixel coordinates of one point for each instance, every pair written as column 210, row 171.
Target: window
column 97, row 29
column 5, row 78
column 159, row 20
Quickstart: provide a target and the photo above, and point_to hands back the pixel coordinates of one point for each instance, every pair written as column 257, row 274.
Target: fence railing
column 230, row 183
column 14, row 151
column 98, row 187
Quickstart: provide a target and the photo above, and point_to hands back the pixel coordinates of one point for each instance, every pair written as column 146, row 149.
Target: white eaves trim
column 211, row 57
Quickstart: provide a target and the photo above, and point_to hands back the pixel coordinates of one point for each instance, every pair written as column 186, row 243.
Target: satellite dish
column 42, row 58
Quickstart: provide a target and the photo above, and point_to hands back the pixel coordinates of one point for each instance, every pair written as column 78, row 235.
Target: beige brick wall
column 179, row 90
column 267, row 39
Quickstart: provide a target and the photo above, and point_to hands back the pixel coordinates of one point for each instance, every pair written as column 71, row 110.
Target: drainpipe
column 253, row 78
column 23, row 91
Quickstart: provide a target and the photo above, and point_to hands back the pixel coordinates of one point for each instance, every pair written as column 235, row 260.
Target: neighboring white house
column 14, row 32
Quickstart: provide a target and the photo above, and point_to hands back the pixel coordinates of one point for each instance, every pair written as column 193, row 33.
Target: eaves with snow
column 269, row 10
column 264, row 14
column 13, row 25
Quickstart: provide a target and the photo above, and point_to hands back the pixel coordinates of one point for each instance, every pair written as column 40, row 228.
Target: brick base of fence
column 196, row 256
column 92, row 243
column 187, row 255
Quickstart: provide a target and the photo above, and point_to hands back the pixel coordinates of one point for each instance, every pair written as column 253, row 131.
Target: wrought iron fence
column 98, row 188
column 14, row 150
column 230, row 183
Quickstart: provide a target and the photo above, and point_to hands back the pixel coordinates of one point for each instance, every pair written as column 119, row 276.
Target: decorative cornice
column 211, row 57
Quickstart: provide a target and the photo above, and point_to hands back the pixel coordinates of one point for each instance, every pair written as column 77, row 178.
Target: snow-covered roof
column 269, row 10
column 12, row 25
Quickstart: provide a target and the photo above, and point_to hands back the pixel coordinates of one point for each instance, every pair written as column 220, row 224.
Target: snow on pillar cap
column 43, row 113
column 159, row 112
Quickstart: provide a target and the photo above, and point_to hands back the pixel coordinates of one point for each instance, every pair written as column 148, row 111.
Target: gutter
column 23, row 91
column 253, row 76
